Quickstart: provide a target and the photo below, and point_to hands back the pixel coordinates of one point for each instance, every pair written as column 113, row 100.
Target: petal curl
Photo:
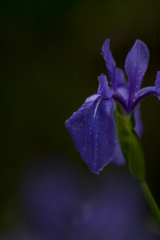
column 135, row 66
column 143, row 93
column 104, row 89
column 93, row 131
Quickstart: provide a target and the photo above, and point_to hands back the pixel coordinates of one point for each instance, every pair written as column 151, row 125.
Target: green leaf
column 133, row 121
column 130, row 145
column 123, row 131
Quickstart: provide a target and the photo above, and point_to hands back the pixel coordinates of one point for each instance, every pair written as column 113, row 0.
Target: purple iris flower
column 92, row 127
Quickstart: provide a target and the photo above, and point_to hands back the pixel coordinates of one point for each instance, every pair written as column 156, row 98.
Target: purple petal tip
column 157, row 83
column 135, row 66
column 104, row 89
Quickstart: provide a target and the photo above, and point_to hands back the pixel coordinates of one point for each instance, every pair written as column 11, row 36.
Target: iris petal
column 93, row 131
column 104, row 89
column 157, row 83
column 139, row 124
column 116, row 75
column 110, row 62
column 142, row 93
column 120, row 77
column 135, row 66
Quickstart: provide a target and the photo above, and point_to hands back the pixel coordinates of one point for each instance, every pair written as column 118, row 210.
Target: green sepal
column 133, row 121
column 130, row 145
column 123, row 127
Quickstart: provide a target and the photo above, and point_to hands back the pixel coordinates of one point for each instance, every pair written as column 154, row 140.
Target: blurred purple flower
column 62, row 206
column 114, row 209
column 51, row 195
column 92, row 127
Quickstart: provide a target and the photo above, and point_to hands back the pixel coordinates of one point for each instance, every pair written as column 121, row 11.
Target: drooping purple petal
column 104, row 89
column 93, row 132
column 135, row 66
column 157, row 83
column 110, row 63
column 143, row 93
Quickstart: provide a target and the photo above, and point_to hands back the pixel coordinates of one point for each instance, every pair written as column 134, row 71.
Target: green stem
column 151, row 201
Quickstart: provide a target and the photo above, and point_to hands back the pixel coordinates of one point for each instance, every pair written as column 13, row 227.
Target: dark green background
column 49, row 62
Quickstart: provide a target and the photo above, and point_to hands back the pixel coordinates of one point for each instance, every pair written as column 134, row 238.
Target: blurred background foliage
column 50, row 57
